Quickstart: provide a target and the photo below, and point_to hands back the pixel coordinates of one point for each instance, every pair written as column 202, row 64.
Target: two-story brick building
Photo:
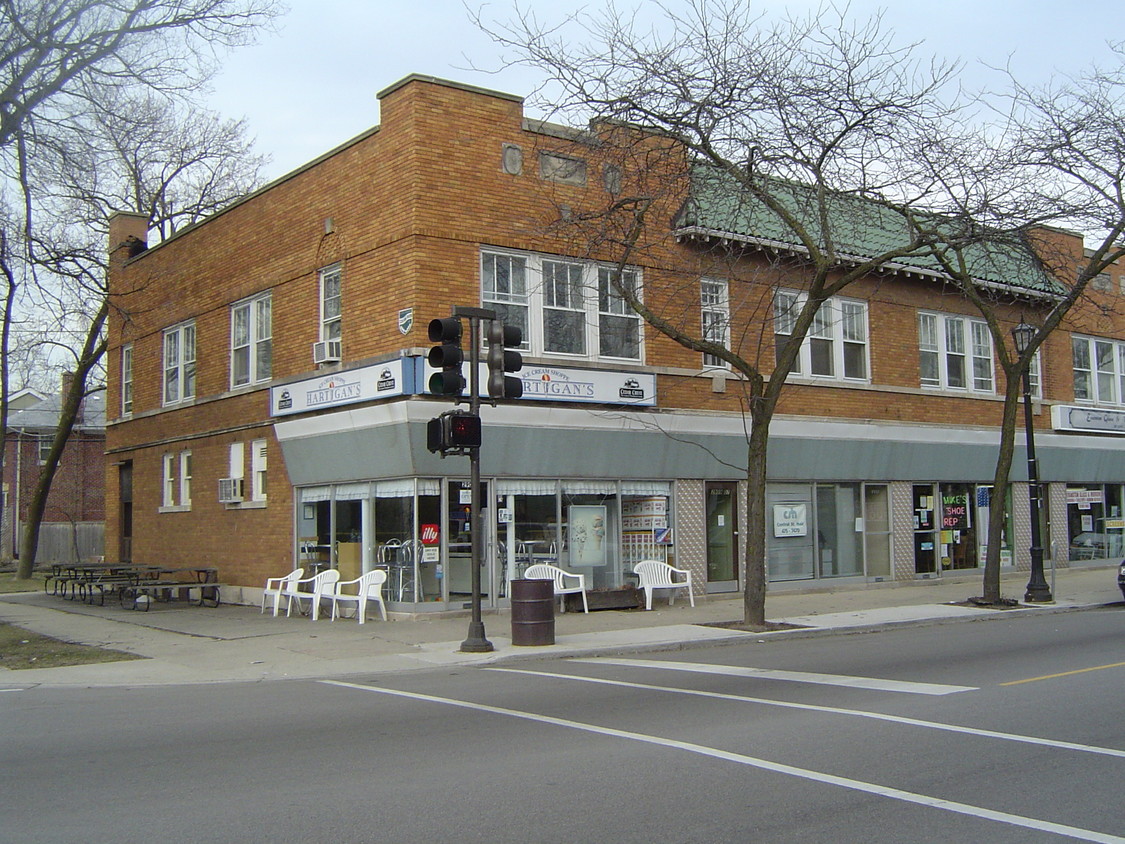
column 72, row 524
column 268, row 401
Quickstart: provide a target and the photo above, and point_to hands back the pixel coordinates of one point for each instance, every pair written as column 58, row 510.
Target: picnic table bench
column 140, row 595
column 89, row 582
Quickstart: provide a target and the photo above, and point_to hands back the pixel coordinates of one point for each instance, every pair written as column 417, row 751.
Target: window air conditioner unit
column 230, row 490
column 326, row 351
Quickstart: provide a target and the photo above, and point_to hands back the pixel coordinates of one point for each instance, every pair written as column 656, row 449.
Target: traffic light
column 502, row 360
column 446, row 356
column 453, row 431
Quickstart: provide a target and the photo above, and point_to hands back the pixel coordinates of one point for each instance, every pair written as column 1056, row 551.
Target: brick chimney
column 129, row 231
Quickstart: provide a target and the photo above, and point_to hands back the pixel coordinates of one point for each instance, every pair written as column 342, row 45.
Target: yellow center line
column 1063, row 674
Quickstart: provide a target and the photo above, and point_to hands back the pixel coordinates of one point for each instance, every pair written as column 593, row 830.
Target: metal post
column 1037, row 589
column 476, row 641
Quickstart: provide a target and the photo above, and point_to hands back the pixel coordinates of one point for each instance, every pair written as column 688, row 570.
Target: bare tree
column 96, row 114
column 54, row 52
column 1053, row 156
column 778, row 149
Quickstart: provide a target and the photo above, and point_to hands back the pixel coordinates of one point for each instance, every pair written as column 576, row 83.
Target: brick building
column 73, row 520
column 267, row 400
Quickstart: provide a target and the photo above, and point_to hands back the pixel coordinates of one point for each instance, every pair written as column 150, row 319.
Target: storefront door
column 458, row 569
column 722, row 537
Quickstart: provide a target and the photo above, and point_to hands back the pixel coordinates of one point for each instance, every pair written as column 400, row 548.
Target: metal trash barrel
column 533, row 612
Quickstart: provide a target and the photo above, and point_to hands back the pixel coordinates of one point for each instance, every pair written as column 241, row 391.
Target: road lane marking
column 1063, row 674
column 870, row 683
column 755, row 762
column 833, row 710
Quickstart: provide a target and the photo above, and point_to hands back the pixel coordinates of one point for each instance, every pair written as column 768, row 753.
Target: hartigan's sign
column 1094, row 419
column 564, row 384
column 381, row 381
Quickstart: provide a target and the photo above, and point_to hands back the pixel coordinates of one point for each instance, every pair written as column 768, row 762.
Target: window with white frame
column 179, row 363
column 955, row 353
column 168, row 481
column 43, row 446
column 1099, row 370
column 504, row 289
column 176, row 481
column 836, row 344
column 330, row 310
column 258, row 470
column 715, row 316
column 251, row 341
column 127, row 379
column 564, row 307
column 1035, row 374
column 619, row 326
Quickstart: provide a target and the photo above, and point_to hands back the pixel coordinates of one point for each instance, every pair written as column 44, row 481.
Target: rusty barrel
column 533, row 612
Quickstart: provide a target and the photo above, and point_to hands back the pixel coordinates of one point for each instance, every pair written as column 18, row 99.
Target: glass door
column 458, row 568
column 722, row 536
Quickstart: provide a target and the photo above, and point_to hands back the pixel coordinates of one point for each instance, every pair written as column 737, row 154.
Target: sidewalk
column 238, row 643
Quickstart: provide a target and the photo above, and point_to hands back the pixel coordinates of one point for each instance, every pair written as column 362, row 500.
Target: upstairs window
column 127, row 379
column 619, row 326
column 504, row 287
column 251, row 339
column 179, row 363
column 1099, row 370
column 955, row 353
column 715, row 317
column 836, row 344
column 330, row 303
column 565, row 308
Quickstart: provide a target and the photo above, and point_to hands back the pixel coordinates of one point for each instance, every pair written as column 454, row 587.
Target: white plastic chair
column 276, row 586
column 322, row 587
column 655, row 575
column 369, row 587
column 544, row 571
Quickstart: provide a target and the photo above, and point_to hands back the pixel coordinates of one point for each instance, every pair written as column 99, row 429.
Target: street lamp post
column 1037, row 589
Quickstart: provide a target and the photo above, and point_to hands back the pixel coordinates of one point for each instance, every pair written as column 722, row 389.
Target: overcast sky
column 312, row 85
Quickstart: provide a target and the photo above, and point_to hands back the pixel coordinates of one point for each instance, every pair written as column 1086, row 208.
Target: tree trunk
column 754, row 597
column 68, row 413
column 1000, row 486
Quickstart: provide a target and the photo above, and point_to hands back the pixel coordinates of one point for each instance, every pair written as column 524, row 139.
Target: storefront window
column 839, row 529
column 590, row 513
column 790, row 532
column 527, row 529
column 1095, row 522
column 397, row 549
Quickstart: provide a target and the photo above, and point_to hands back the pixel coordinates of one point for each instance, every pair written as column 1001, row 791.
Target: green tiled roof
column 861, row 229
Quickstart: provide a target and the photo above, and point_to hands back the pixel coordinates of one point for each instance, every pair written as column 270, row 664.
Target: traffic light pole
column 476, row 641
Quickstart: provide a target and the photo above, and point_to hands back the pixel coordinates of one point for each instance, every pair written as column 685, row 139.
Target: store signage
column 1083, row 497
column 380, row 381
column 1099, row 420
column 955, row 512
column 790, row 520
column 430, row 534
column 566, row 384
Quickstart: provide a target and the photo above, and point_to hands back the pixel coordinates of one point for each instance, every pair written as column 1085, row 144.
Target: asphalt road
column 1006, row 730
